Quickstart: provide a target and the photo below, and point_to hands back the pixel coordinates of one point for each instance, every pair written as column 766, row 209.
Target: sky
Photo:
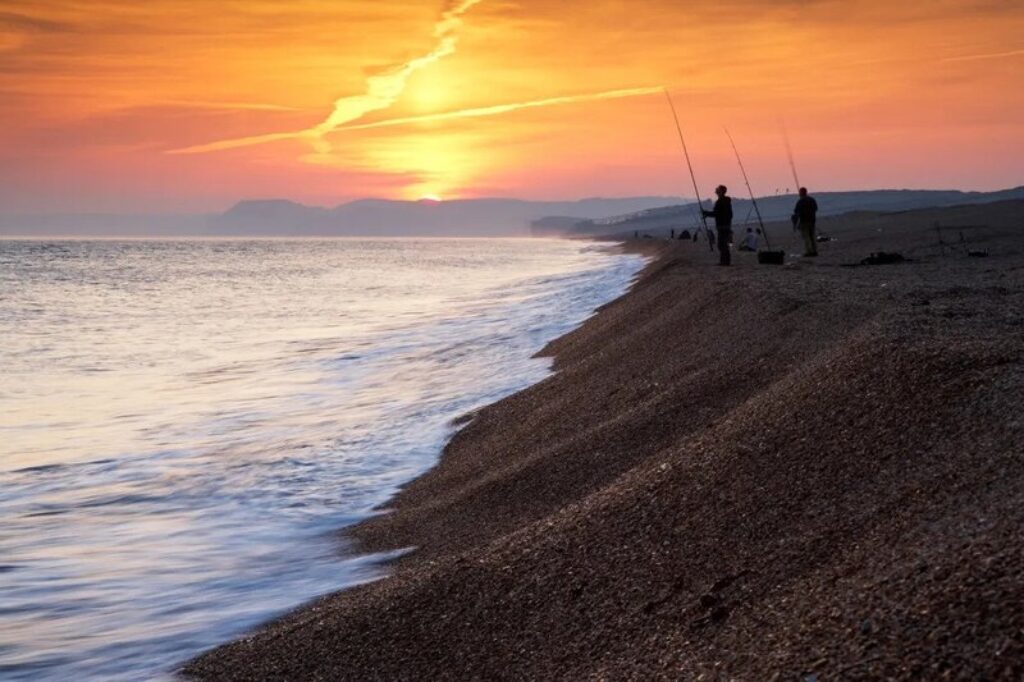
column 191, row 105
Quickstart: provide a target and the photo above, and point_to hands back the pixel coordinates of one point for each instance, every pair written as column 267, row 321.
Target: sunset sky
column 190, row 105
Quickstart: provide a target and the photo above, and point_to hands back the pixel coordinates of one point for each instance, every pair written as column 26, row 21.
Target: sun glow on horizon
column 323, row 101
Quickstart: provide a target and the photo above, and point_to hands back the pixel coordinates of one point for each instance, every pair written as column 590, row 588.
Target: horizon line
column 213, row 212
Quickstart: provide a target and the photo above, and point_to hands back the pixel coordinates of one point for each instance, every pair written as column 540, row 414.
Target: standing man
column 804, row 218
column 722, row 213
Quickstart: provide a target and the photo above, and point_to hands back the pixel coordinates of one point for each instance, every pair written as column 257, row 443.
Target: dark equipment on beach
column 767, row 256
column 771, row 257
column 689, row 165
column 978, row 254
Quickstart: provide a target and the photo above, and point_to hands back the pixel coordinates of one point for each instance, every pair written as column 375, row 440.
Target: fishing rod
column 749, row 189
column 792, row 166
column 789, row 154
column 689, row 165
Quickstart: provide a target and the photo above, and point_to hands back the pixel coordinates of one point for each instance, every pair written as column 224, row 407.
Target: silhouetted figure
column 722, row 213
column 805, row 216
column 672, row 233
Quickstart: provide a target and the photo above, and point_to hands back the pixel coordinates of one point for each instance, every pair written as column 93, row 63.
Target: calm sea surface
column 184, row 423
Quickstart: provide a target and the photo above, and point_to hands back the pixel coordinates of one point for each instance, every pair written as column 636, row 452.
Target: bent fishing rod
column 749, row 189
column 689, row 165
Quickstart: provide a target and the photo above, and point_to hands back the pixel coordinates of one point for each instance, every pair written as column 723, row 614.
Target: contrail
column 503, row 108
column 382, row 90
column 992, row 55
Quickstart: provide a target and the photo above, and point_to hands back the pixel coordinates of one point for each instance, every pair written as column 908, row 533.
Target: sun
column 431, row 197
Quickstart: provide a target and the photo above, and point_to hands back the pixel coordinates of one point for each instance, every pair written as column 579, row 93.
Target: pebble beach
column 812, row 471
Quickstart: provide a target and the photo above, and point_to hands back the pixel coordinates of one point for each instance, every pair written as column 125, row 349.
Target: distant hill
column 653, row 215
column 365, row 217
column 378, row 217
column 660, row 220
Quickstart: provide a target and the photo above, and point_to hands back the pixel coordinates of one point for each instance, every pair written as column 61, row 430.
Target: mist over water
column 184, row 424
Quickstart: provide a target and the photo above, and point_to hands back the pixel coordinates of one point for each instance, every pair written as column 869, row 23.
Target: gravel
column 799, row 472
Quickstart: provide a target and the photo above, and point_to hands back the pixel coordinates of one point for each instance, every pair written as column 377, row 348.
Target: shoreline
column 733, row 472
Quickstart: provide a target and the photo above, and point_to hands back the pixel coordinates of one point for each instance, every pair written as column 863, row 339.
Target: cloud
column 225, row 106
column 382, row 90
column 15, row 29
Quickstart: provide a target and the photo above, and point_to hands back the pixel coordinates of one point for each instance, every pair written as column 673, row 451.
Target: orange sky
column 119, row 105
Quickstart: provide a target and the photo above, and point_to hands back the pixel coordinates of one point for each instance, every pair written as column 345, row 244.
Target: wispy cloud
column 227, row 106
column 22, row 21
column 382, row 90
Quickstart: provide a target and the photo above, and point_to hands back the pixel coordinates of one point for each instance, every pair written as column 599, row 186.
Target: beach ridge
column 735, row 473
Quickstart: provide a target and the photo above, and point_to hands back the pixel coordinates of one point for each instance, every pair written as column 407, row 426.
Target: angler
column 722, row 213
column 805, row 217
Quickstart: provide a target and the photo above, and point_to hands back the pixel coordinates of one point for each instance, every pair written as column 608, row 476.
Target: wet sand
column 753, row 473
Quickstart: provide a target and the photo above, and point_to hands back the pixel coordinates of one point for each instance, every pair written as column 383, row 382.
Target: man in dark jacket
column 722, row 213
column 805, row 215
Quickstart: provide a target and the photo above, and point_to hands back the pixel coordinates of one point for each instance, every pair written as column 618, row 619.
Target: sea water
column 185, row 425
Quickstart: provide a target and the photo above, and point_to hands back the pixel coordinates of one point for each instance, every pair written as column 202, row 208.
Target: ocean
column 185, row 425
